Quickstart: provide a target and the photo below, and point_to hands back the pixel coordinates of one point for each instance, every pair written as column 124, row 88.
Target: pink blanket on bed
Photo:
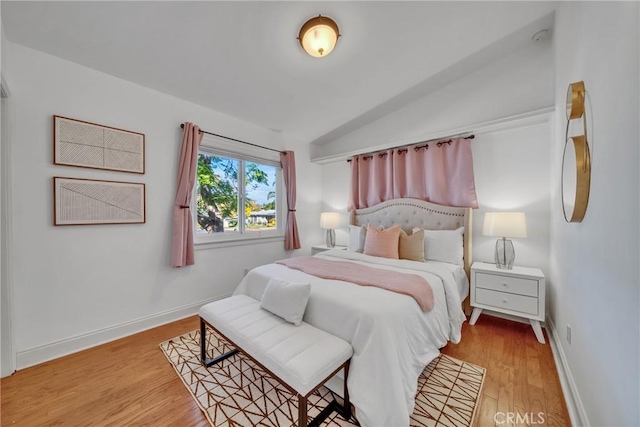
column 408, row 284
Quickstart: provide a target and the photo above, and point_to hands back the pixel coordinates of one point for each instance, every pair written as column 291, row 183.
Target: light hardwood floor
column 129, row 382
column 521, row 374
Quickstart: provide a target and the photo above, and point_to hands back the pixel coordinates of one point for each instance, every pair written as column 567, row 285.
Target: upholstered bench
column 302, row 358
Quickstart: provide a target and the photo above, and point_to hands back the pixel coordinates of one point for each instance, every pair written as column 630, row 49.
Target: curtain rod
column 237, row 140
column 417, row 145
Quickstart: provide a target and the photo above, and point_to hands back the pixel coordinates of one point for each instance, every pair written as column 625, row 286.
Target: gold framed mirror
column 576, row 159
column 575, row 100
column 576, row 178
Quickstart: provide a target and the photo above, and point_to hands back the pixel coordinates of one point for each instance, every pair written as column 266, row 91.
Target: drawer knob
column 504, row 284
column 504, row 301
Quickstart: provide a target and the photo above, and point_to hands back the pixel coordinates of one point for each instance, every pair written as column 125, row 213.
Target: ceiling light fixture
column 318, row 36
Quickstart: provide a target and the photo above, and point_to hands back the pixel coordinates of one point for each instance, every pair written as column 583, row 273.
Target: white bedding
column 392, row 339
column 462, row 282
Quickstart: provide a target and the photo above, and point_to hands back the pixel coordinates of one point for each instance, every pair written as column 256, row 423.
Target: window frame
column 242, row 236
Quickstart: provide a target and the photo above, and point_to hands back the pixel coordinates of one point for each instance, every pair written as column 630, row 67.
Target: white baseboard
column 577, row 414
column 57, row 349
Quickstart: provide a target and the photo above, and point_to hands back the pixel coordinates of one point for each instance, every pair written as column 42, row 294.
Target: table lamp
column 503, row 225
column 330, row 221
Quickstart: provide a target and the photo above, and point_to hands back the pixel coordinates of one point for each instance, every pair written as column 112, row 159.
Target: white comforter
column 392, row 339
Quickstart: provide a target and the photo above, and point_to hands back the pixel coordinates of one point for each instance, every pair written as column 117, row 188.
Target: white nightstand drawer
column 513, row 285
column 507, row 301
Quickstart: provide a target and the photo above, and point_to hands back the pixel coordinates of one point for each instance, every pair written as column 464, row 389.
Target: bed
column 392, row 338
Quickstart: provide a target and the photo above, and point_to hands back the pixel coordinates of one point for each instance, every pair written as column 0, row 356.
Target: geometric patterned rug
column 238, row 393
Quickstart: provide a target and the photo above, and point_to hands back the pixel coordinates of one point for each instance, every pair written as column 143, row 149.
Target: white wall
column 336, row 182
column 6, row 347
column 3, row 366
column 6, row 358
column 76, row 286
column 490, row 93
column 595, row 263
column 519, row 83
column 511, row 171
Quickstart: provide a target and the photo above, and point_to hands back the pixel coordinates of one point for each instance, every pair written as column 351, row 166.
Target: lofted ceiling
column 243, row 59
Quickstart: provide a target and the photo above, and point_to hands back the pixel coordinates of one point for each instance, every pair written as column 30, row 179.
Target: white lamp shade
column 329, row 220
column 505, row 224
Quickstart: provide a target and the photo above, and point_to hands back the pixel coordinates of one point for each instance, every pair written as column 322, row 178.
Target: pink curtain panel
column 291, row 237
column 182, row 246
column 442, row 175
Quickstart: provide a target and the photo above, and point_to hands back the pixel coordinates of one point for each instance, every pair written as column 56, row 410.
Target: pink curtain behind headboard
column 438, row 174
column 182, row 245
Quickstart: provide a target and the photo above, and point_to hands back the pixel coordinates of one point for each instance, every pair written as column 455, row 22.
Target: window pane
column 260, row 197
column 217, row 194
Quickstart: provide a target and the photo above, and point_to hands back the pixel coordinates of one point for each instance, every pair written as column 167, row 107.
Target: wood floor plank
column 486, row 412
column 534, row 376
column 557, row 414
column 130, row 382
column 125, row 382
column 536, row 409
column 505, row 391
column 508, row 348
column 520, row 394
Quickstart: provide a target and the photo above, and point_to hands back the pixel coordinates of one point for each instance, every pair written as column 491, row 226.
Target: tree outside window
column 224, row 184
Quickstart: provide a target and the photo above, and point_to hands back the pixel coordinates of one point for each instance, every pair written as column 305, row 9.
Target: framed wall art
column 89, row 201
column 90, row 145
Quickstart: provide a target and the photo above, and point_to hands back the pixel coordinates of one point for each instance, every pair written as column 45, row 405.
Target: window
column 237, row 197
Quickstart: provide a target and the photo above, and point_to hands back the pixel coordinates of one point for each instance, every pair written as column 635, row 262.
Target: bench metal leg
column 324, row 414
column 302, row 411
column 344, row 410
column 346, row 406
column 203, row 348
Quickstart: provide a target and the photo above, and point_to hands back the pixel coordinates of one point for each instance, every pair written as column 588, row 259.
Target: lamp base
column 505, row 254
column 331, row 238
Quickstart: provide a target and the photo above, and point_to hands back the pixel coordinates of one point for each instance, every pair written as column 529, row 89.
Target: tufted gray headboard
column 411, row 213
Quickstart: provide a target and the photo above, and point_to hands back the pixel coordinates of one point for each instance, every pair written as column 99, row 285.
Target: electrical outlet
column 569, row 333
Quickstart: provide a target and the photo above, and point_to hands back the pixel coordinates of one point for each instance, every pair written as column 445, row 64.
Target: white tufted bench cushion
column 301, row 357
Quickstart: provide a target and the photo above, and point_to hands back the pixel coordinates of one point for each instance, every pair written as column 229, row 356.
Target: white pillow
column 444, row 245
column 357, row 236
column 285, row 299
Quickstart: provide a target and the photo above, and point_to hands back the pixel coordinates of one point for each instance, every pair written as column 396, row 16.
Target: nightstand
column 321, row 248
column 518, row 292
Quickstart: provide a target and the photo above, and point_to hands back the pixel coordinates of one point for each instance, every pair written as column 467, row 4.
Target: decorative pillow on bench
column 285, row 299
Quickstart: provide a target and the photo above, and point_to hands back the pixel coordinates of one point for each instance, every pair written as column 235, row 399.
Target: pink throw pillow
column 382, row 243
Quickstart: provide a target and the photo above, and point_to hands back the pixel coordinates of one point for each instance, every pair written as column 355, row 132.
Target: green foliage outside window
column 217, row 192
